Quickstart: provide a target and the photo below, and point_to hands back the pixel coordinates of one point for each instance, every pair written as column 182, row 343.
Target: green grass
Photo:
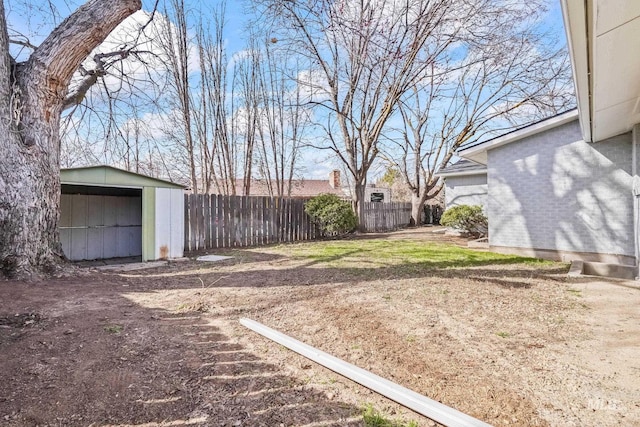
column 576, row 292
column 114, row 329
column 363, row 253
column 373, row 418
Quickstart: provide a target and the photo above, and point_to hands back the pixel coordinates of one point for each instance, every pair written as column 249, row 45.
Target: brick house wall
column 466, row 190
column 553, row 191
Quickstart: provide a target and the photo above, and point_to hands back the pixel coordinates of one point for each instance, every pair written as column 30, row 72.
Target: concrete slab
column 576, row 268
column 609, row 270
column 132, row 266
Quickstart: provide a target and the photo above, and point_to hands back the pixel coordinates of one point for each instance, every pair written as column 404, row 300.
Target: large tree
column 367, row 56
column 363, row 56
column 32, row 96
column 513, row 74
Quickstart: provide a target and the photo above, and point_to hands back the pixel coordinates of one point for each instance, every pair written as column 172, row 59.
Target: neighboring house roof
column 478, row 152
column 103, row 175
column 300, row 188
column 461, row 168
column 603, row 38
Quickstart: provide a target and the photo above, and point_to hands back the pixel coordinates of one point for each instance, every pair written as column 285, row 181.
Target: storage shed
column 106, row 212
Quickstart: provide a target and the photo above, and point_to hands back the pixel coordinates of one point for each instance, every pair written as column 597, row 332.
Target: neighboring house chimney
column 334, row 178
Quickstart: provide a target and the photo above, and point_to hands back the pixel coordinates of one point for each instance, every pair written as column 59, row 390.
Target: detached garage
column 107, row 212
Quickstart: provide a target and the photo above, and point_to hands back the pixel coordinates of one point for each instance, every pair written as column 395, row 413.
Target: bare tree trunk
column 222, row 158
column 358, row 203
column 417, row 207
column 31, row 100
column 177, row 46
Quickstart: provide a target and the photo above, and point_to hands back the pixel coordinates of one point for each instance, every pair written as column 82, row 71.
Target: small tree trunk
column 417, row 208
column 359, row 200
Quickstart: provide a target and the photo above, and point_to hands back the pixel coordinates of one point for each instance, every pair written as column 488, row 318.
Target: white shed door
column 169, row 223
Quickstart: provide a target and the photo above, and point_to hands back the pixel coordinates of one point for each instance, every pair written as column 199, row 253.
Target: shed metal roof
column 103, row 175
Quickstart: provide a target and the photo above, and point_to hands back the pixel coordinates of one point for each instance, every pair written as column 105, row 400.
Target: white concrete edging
column 421, row 404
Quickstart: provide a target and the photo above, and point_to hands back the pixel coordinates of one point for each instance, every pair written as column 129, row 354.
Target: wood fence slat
column 246, row 216
column 290, row 223
column 284, row 223
column 294, row 220
column 305, row 218
column 250, row 212
column 301, row 227
column 200, row 221
column 219, row 221
column 242, row 228
column 193, row 220
column 270, row 220
column 235, row 221
column 226, row 218
column 213, row 209
column 247, row 221
column 277, row 217
column 207, row 221
column 262, row 222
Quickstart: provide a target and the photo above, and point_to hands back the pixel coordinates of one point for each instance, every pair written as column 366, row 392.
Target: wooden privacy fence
column 381, row 217
column 217, row 221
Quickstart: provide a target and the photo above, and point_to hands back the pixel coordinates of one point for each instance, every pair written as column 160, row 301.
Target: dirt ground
column 512, row 344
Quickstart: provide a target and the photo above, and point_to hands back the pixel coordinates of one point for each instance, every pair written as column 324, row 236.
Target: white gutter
column 423, row 405
column 635, row 140
column 461, row 173
column 576, row 26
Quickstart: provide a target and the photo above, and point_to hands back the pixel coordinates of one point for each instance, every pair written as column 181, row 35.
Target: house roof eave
column 576, row 26
column 478, row 153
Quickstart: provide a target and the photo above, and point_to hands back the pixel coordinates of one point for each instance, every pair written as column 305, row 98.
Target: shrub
column 334, row 215
column 467, row 218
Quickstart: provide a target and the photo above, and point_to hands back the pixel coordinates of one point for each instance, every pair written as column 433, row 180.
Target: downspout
column 635, row 136
column 432, row 409
column 577, row 16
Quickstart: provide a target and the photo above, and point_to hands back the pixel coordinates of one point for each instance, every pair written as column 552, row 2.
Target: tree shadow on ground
column 94, row 357
column 509, row 272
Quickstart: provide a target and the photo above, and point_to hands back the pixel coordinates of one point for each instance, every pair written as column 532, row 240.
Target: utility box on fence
column 377, row 194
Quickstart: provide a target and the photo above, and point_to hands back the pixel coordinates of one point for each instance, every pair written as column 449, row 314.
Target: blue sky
column 36, row 21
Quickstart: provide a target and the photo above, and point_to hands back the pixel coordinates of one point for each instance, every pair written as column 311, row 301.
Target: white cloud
column 149, row 42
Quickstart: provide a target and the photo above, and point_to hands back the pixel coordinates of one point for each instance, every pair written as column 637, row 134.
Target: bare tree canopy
column 178, row 103
column 32, row 96
column 365, row 57
column 513, row 74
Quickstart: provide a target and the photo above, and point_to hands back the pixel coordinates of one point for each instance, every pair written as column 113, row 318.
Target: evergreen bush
column 334, row 215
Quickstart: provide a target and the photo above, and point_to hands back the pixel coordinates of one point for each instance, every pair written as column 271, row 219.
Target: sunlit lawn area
column 381, row 253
